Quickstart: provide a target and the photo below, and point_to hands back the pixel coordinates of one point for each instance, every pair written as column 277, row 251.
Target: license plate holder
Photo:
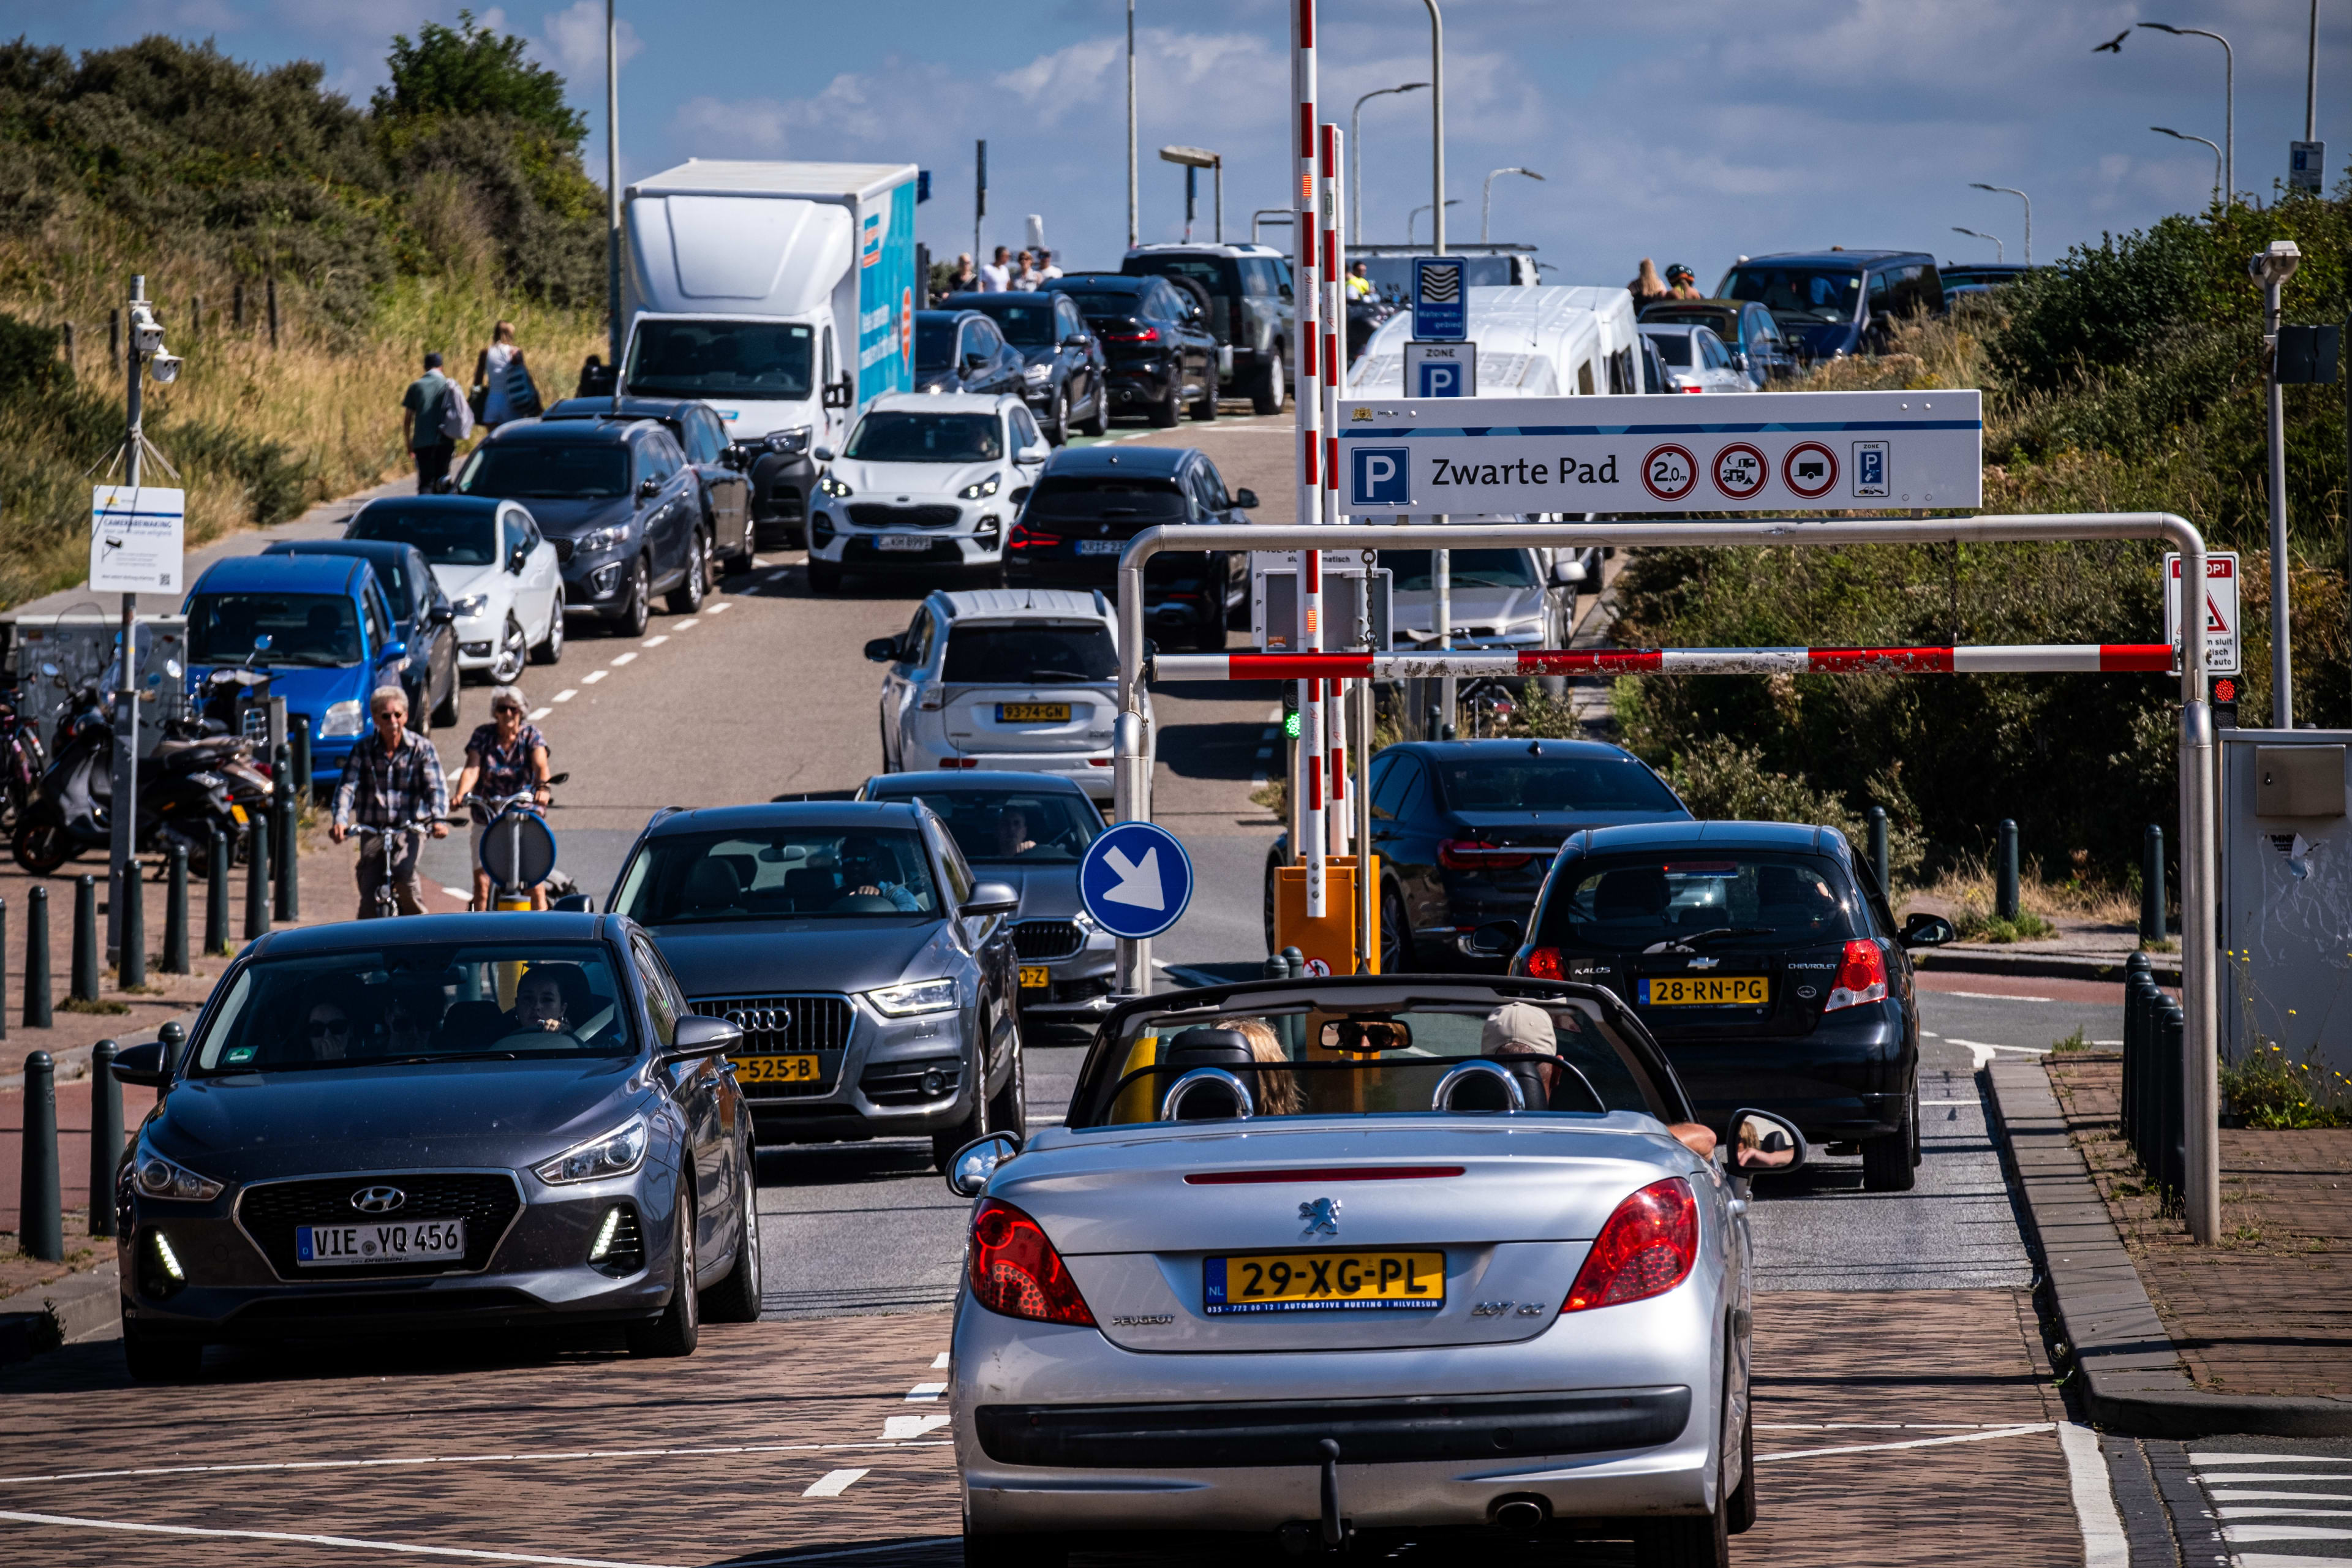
column 1707, row 991
column 1331, row 1280
column 797, row 1068
column 1102, row 546
column 1034, row 977
column 1032, row 713
column 901, row 542
column 376, row 1242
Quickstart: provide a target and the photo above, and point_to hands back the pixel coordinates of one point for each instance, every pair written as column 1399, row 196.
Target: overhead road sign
column 1441, row 369
column 1441, row 309
column 1783, row 451
column 1135, row 879
column 137, row 539
column 2221, row 639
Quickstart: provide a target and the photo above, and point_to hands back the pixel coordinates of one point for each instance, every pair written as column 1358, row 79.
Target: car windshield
column 546, row 470
column 888, row 436
column 721, row 359
column 1300, row 1056
column 1026, row 321
column 1030, row 654
column 1798, row 293
column 320, row 629
column 1084, row 498
column 1025, row 825
column 778, row 873
column 1703, row 900
column 1217, row 274
column 446, row 538
column 1517, row 781
column 1464, row 569
column 418, row 1005
column 1675, row 348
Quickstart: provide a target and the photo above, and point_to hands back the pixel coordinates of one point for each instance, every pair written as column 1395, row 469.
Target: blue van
column 331, row 634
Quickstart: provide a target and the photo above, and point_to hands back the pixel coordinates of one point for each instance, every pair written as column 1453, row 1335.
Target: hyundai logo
column 761, row 1020
column 378, row 1200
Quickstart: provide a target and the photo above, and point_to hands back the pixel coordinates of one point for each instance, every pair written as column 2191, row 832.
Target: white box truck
column 781, row 294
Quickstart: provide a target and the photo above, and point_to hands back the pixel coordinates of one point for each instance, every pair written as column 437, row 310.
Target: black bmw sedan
column 1763, row 957
column 436, row 1124
column 1163, row 358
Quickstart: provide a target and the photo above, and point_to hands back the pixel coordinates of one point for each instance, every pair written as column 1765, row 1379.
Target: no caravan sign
column 1785, row 451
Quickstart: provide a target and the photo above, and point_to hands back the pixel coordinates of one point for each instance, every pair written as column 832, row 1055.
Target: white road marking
column 1982, row 1052
column 834, row 1482
column 538, row 713
column 687, row 625
column 898, row 1428
column 1994, row 996
column 1951, row 1103
column 718, row 609
column 567, row 694
column 1885, row 1426
column 2241, row 1478
column 926, row 1391
column 2096, row 1042
column 2277, row 1560
column 593, row 676
column 654, row 641
column 624, row 659
column 2236, row 1532
column 1930, row 1034
column 2199, row 1461
column 2276, row 1497
column 2284, row 1512
column 568, row 1455
column 941, row 1365
column 2104, row 1543
column 466, row 1554
column 453, row 892
column 1915, row 1443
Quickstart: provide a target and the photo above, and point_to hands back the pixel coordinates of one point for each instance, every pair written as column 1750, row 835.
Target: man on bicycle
column 503, row 758
column 391, row 783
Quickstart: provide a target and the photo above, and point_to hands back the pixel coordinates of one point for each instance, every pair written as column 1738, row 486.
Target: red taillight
column 1646, row 1248
column 1477, row 855
column 1016, row 1271
column 1023, row 537
column 1543, row 963
column 1148, row 335
column 1693, row 389
column 958, row 762
column 1861, row 978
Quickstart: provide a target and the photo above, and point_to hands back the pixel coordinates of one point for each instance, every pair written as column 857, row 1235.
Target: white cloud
column 573, row 39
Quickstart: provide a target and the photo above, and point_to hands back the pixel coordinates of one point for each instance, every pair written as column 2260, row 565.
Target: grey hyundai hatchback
column 873, row 976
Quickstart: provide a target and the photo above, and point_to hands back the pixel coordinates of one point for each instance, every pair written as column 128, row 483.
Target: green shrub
column 2266, row 1089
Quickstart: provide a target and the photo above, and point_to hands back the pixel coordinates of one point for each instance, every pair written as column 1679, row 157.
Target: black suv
column 872, row 976
column 717, row 463
column 962, row 351
column 1065, row 380
column 1248, row 287
column 1088, row 502
column 1163, row 358
column 1833, row 302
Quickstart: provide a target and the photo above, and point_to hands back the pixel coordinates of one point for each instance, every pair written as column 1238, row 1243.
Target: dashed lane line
column 654, row 641
column 721, row 608
column 593, row 676
column 833, row 1483
column 2018, row 1431
column 898, row 1428
column 922, row 1391
column 687, row 625
column 567, row 694
column 538, row 713
column 470, row 1554
column 415, row 1460
column 2200, row 1461
column 941, row 1365
column 622, row 659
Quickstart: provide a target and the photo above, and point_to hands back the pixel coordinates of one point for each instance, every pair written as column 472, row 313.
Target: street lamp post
column 2184, row 136
column 2020, row 196
column 1132, row 232
column 1436, row 132
column 613, row 186
column 2000, row 251
column 2270, row 267
column 1356, row 157
column 1487, row 196
column 2229, row 102
column 1413, row 218
column 1199, row 158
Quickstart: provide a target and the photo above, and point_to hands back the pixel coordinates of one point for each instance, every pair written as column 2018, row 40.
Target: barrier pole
column 1335, row 363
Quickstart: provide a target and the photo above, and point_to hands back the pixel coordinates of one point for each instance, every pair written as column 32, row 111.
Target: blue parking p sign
column 1382, row 475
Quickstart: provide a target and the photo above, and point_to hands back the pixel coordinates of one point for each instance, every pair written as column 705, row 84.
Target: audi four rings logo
column 378, row 1200
column 761, row 1020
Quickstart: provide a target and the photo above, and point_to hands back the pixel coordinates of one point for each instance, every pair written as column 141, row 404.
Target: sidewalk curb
column 72, row 1062
column 81, row 1302
column 2133, row 1381
column 2165, row 966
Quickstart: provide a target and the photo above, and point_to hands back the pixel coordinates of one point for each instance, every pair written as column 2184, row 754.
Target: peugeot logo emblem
column 378, row 1200
column 1322, row 1216
column 761, row 1020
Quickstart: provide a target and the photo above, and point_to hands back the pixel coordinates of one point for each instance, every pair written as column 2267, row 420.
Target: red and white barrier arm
column 2027, row 658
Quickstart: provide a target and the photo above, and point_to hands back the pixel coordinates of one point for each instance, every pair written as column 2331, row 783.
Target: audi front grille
column 802, row 1025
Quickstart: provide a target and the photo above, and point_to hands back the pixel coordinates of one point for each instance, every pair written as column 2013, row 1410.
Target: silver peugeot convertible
column 1350, row 1256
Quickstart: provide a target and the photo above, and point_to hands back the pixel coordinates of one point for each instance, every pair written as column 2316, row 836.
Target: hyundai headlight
column 1039, row 372
column 830, row 486
column 614, row 1154
column 790, row 443
column 905, row 1000
column 344, row 719
column 983, row 488
column 157, row 1177
column 598, row 539
column 472, row 605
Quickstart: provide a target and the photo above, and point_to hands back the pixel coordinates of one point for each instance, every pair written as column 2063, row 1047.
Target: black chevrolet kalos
column 436, row 1124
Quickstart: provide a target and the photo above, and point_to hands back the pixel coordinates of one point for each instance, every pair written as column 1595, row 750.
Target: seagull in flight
column 2114, row 46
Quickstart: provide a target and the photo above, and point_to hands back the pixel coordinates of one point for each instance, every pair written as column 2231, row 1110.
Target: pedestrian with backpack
column 434, row 418
column 503, row 388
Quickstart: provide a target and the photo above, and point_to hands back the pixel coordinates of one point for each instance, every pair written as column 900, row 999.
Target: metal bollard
column 298, row 737
column 1878, row 850
column 2004, row 894
column 1276, row 967
column 1296, row 962
column 105, row 1136
column 2151, row 886
column 36, row 958
column 256, row 877
column 175, row 914
column 130, row 960
column 41, row 1224
column 2136, row 973
column 173, row 1038
column 282, row 828
column 85, row 938
column 216, row 943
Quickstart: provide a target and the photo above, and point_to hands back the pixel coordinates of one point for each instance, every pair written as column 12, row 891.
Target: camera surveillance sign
column 136, row 539
column 1788, row 451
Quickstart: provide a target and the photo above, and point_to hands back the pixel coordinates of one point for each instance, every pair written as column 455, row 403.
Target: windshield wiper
column 1682, row 944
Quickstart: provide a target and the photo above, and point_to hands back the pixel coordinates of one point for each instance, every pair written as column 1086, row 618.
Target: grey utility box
column 2285, row 846
column 1274, row 604
column 84, row 650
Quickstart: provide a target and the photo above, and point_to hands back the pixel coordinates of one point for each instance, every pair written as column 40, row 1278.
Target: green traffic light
column 1290, row 724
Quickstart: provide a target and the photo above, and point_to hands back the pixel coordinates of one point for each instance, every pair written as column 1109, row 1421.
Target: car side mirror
column 976, row 1162
column 991, row 899
column 882, row 650
column 574, row 904
column 1495, row 939
column 1923, row 929
column 822, row 454
column 1246, row 500
column 1757, row 1142
column 394, row 650
column 697, row 1036
column 648, row 488
column 441, row 614
column 1036, row 453
column 840, row 394
column 142, row 1064
column 1076, row 340
column 515, row 562
column 1568, row 573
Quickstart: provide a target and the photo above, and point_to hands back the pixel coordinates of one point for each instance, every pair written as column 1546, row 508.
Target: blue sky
column 1695, row 132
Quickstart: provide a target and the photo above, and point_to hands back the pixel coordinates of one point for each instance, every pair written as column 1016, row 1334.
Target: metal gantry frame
column 1133, row 748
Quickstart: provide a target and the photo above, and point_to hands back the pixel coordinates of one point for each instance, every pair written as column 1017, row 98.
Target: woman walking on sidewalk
column 503, row 389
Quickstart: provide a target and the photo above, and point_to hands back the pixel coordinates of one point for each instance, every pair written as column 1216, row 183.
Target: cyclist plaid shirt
column 395, row 791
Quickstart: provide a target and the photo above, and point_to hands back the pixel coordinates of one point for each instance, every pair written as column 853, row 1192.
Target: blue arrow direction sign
column 1136, row 880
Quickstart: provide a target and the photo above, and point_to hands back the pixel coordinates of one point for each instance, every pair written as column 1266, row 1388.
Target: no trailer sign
column 1788, row 451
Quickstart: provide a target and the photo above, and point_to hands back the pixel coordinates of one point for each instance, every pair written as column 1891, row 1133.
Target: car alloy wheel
column 1170, row 409
column 636, row 609
column 1266, row 396
column 736, row 1298
column 686, row 597
column 507, row 668
column 1062, row 418
column 679, row 1327
column 1396, row 935
column 551, row 647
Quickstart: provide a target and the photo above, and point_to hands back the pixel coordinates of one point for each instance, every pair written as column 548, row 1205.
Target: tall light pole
column 2020, row 196
column 2311, row 80
column 1436, row 131
column 2228, row 101
column 2000, row 251
column 1413, row 218
column 1132, row 232
column 2270, row 267
column 1487, row 196
column 1356, row 157
column 2184, row 136
column 1193, row 158
column 612, row 187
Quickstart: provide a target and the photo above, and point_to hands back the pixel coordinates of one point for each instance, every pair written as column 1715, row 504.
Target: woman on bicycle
column 503, row 757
